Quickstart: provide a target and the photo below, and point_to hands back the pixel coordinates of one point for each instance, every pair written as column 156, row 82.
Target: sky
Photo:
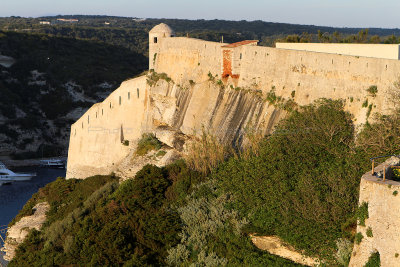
column 338, row 13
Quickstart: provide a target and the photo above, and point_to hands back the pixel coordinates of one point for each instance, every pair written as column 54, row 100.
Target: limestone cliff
column 174, row 112
column 18, row 232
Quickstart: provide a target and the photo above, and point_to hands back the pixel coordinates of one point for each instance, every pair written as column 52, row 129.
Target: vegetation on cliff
column 301, row 184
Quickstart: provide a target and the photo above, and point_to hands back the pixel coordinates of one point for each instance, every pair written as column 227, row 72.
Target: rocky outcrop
column 274, row 245
column 19, row 231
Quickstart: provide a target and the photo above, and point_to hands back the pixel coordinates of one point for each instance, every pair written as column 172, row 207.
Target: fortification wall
column 95, row 141
column 188, row 58
column 315, row 75
column 311, row 75
column 384, row 221
column 387, row 51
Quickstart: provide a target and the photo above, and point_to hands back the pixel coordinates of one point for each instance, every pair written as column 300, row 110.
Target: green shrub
column 293, row 93
column 358, row 238
column 365, row 103
column 147, row 143
column 362, row 213
column 374, row 260
column 161, row 153
column 125, row 142
column 395, row 193
column 344, row 249
column 372, row 90
column 369, row 110
column 369, row 232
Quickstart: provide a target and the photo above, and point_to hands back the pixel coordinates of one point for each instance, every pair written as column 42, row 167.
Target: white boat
column 8, row 176
column 52, row 163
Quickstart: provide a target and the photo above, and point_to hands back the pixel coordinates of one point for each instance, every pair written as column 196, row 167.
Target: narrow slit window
column 138, row 93
column 155, row 40
column 96, row 115
column 240, row 55
column 129, row 95
column 110, row 104
column 82, row 125
column 102, row 112
column 120, row 100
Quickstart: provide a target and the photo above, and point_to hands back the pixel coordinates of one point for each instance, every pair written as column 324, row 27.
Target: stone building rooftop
column 245, row 42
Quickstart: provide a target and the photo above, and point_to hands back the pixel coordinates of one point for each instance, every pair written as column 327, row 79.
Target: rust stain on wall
column 227, row 63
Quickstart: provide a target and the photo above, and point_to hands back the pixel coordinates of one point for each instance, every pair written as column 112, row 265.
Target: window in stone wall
column 102, row 112
column 82, row 125
column 110, row 104
column 155, row 40
column 120, row 100
column 240, row 55
column 129, row 95
column 96, row 115
column 138, row 93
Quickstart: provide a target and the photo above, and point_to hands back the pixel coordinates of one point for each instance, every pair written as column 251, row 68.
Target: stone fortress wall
column 96, row 139
column 311, row 75
column 387, row 51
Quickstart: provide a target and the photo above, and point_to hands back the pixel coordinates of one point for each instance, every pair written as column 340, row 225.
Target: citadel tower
column 155, row 37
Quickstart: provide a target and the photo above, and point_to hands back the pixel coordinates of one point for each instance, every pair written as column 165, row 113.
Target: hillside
column 53, row 81
column 180, row 215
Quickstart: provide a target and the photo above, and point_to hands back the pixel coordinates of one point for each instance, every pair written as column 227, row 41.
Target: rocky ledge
column 19, row 231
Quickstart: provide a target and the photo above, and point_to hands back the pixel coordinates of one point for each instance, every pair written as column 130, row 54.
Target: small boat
column 8, row 176
column 52, row 163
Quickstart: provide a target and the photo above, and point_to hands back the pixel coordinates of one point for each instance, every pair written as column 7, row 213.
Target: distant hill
column 53, row 81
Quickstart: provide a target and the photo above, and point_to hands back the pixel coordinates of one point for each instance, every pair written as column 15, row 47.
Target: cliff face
column 173, row 112
column 18, row 232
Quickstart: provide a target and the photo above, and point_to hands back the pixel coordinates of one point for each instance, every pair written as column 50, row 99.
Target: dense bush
column 212, row 234
column 98, row 222
column 303, row 186
column 147, row 143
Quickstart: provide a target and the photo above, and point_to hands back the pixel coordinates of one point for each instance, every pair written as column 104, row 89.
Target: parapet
column 386, row 51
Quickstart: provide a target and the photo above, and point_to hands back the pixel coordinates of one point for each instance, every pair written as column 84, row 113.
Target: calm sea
column 13, row 197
